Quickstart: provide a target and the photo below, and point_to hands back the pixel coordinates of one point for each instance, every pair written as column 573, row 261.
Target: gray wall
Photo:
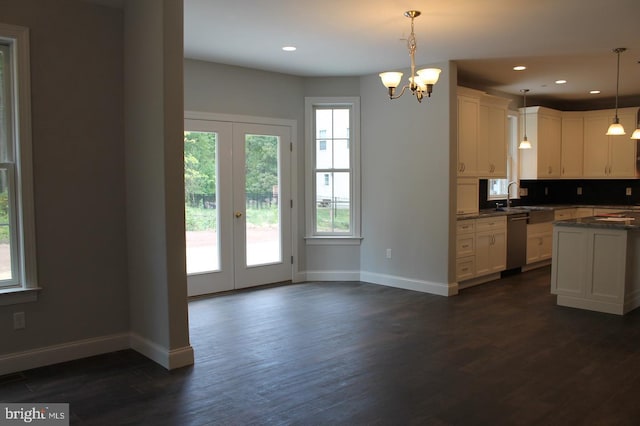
column 155, row 174
column 78, row 155
column 407, row 157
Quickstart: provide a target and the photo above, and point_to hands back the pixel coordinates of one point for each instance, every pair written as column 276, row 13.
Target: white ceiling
column 568, row 39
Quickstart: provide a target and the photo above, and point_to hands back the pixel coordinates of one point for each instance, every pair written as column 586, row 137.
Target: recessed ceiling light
column 519, row 68
column 289, row 48
column 594, row 92
column 561, row 81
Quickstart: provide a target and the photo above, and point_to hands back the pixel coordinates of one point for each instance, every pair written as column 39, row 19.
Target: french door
column 238, row 215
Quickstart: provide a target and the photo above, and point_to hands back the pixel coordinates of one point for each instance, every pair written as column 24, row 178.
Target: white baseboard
column 169, row 359
column 55, row 354
column 333, row 275
column 410, row 284
column 26, row 360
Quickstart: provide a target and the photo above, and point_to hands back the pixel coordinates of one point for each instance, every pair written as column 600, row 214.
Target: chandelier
column 419, row 83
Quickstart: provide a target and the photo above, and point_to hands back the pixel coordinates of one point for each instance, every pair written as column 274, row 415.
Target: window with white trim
column 17, row 231
column 332, row 167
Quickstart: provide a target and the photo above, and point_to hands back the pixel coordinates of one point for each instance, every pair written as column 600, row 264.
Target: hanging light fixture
column 616, row 129
column 636, row 132
column 418, row 84
column 525, row 144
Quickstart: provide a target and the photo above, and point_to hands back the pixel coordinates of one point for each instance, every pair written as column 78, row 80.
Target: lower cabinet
column 539, row 242
column 481, row 247
column 595, row 268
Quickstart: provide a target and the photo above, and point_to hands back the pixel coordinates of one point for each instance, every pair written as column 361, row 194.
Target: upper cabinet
column 482, row 134
column 492, row 137
column 609, row 156
column 468, row 125
column 571, row 157
column 544, row 130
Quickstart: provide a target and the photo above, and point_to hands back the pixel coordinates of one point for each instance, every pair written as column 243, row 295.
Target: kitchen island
column 595, row 263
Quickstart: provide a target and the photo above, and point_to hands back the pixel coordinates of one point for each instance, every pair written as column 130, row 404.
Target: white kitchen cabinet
column 595, row 268
column 492, row 137
column 583, row 212
column 468, row 126
column 491, row 245
column 544, row 130
column 481, row 247
column 609, row 156
column 467, row 196
column 465, row 249
column 564, row 214
column 598, row 211
column 572, row 141
column 539, row 242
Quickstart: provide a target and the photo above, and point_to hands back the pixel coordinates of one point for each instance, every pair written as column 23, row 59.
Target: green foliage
column 200, row 219
column 199, row 163
column 339, row 222
column 261, row 163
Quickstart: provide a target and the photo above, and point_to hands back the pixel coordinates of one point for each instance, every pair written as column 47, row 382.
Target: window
column 333, row 167
column 17, row 239
column 497, row 188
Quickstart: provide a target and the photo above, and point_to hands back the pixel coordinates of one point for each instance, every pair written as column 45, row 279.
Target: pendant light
column 616, row 129
column 636, row 132
column 525, row 144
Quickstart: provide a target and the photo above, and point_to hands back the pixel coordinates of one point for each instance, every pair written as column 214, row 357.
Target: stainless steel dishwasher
column 517, row 240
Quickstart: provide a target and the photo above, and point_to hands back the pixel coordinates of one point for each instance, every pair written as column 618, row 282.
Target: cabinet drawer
column 465, row 245
column 540, row 228
column 564, row 214
column 491, row 223
column 465, row 268
column 465, row 226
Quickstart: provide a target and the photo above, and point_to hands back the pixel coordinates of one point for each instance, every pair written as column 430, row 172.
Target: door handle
column 238, row 214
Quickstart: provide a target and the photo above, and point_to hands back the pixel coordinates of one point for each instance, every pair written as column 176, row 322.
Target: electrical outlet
column 628, row 191
column 19, row 321
column 388, row 253
column 524, row 192
column 579, row 190
column 546, row 190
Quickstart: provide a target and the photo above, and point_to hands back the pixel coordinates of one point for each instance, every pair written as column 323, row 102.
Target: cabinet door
column 497, row 122
column 622, row 150
column 596, row 146
column 606, row 268
column 572, row 147
column 549, row 149
column 484, row 162
column 498, row 252
column 546, row 245
column 483, row 257
column 468, row 118
column 467, row 196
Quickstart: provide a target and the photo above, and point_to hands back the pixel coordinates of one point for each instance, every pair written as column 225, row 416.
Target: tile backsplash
column 578, row 191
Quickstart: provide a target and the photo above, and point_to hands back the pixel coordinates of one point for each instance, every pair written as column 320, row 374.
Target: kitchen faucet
column 509, row 193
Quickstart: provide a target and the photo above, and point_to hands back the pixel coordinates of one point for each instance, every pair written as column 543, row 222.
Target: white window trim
column 18, row 38
column 354, row 236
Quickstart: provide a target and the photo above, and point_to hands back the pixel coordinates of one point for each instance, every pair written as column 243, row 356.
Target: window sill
column 14, row 296
column 332, row 241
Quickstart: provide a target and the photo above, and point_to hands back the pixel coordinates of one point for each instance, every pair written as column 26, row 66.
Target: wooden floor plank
column 357, row 353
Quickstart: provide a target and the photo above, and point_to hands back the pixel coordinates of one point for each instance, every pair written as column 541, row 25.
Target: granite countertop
column 523, row 209
column 629, row 220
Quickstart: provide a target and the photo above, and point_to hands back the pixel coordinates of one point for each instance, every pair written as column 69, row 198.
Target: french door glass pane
column 262, row 179
column 5, row 230
column 201, row 213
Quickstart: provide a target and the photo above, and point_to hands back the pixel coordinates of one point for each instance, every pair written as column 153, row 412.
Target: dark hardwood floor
column 356, row 353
